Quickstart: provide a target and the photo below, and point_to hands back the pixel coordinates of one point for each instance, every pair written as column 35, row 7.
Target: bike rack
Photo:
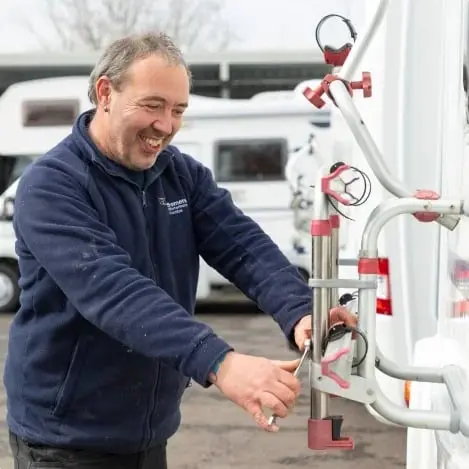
column 330, row 358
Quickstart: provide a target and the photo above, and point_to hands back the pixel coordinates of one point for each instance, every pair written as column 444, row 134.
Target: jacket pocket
column 72, row 377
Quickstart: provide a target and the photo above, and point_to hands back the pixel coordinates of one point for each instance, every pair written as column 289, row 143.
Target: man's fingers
column 290, row 381
column 259, row 417
column 285, row 393
column 274, row 404
column 301, row 336
column 340, row 313
column 287, row 365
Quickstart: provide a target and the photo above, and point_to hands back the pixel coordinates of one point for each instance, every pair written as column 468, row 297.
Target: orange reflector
column 461, row 308
column 407, row 386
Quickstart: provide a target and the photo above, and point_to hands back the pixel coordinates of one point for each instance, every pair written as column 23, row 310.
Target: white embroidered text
column 175, row 207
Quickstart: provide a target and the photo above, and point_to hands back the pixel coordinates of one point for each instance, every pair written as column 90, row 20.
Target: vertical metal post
column 323, row 428
column 334, row 257
column 321, row 300
column 321, row 232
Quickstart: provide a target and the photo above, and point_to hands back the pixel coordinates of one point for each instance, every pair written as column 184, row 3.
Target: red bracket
column 426, row 217
column 326, row 184
column 315, row 96
column 364, row 85
column 337, row 57
column 326, row 434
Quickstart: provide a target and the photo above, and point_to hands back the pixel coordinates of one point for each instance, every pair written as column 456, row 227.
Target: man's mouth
column 152, row 144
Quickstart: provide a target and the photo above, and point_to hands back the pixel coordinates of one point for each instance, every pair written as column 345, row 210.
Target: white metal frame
column 324, row 430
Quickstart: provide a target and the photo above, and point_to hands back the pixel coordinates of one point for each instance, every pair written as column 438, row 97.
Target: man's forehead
column 156, row 65
column 157, row 78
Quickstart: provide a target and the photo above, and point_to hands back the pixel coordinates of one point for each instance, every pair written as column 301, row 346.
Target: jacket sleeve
column 58, row 224
column 241, row 251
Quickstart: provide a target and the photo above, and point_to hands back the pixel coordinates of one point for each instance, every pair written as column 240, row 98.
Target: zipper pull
column 144, row 198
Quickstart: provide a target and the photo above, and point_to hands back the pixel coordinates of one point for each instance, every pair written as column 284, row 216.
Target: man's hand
column 337, row 314
column 255, row 383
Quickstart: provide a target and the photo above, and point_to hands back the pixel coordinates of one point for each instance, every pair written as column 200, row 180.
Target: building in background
column 228, row 74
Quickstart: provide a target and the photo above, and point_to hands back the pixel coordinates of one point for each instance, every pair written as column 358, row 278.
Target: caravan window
column 250, row 160
column 53, row 113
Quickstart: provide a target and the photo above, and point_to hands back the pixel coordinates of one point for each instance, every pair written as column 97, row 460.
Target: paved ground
column 218, row 435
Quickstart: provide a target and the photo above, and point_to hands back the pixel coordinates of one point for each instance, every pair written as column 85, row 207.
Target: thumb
column 287, row 365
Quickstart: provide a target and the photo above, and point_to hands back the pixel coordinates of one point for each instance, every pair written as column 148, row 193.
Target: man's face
column 145, row 114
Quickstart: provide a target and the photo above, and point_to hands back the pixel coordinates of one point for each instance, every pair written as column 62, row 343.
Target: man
column 105, row 341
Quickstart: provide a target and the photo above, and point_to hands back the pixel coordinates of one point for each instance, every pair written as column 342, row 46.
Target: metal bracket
column 342, row 283
column 360, row 390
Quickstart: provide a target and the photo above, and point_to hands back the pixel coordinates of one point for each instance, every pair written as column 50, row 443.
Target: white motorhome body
column 420, row 124
column 245, row 143
column 449, row 344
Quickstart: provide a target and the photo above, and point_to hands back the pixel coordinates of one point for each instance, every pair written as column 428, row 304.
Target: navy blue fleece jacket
column 105, row 341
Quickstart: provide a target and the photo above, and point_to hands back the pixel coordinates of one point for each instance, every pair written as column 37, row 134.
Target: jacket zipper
column 152, row 402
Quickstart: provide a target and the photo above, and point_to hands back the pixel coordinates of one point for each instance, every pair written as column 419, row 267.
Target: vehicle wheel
column 9, row 289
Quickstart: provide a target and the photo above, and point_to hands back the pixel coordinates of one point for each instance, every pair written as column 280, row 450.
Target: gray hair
column 122, row 53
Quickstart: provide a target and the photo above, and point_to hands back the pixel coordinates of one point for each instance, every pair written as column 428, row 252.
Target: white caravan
column 245, row 143
column 418, row 119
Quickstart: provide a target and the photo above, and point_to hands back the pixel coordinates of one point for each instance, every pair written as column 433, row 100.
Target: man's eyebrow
column 163, row 100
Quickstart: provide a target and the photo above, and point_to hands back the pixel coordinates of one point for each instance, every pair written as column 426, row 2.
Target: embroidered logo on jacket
column 175, row 207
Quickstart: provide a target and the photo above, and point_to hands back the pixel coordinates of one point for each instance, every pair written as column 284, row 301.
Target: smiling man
column 145, row 114
column 110, row 224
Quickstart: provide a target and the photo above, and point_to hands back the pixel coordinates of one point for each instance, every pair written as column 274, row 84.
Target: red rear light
column 383, row 292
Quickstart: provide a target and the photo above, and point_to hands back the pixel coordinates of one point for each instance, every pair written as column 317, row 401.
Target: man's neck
column 98, row 133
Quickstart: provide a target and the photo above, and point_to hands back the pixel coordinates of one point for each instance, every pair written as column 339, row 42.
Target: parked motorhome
column 245, row 143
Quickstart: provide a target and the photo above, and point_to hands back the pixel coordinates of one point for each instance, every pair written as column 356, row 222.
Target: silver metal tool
column 273, row 418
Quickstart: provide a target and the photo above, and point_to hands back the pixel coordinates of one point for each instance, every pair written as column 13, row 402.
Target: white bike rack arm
column 358, row 50
column 371, row 151
column 454, row 421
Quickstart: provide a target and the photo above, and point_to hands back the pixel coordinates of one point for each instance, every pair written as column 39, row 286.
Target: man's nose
column 164, row 125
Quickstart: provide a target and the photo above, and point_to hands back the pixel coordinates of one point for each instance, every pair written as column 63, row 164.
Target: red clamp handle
column 315, row 96
column 426, row 217
column 337, row 57
column 326, row 184
column 364, row 85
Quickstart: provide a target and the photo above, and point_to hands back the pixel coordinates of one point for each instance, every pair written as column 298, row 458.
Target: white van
column 244, row 142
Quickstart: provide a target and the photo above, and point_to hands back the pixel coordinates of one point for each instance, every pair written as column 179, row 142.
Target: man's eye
column 153, row 107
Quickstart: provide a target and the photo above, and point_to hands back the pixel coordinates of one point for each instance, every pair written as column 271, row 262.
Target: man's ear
column 103, row 92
